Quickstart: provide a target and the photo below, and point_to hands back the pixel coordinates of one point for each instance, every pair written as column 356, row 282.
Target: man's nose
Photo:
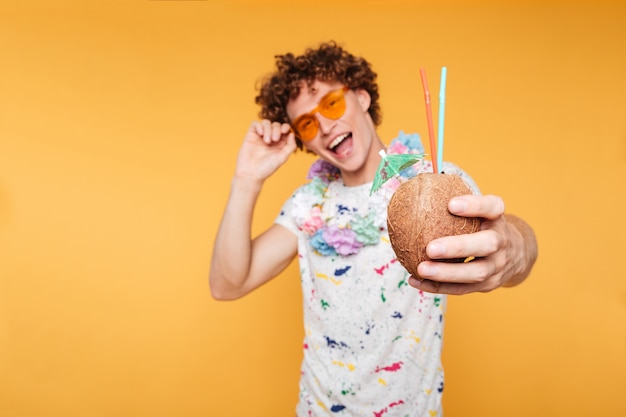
column 325, row 124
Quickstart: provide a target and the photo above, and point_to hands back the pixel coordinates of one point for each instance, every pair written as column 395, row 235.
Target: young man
column 372, row 332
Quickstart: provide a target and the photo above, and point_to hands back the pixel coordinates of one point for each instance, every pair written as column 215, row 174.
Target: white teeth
column 337, row 141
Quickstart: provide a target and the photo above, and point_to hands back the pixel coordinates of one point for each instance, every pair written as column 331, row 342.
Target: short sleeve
column 450, row 168
column 285, row 217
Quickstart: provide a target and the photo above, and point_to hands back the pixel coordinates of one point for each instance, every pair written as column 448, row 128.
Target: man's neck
column 368, row 171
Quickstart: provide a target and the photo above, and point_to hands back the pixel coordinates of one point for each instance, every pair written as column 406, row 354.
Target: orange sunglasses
column 332, row 106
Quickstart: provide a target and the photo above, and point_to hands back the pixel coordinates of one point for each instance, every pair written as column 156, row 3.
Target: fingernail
column 414, row 282
column 427, row 271
column 458, row 205
column 436, row 250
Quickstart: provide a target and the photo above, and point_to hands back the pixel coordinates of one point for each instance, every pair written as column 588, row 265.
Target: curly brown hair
column 327, row 62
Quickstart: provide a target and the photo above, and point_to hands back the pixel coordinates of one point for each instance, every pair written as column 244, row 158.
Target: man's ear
column 364, row 99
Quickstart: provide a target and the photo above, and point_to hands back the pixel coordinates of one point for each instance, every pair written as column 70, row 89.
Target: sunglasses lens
column 306, row 128
column 333, row 105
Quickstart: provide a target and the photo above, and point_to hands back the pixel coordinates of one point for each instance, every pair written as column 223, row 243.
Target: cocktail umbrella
column 392, row 165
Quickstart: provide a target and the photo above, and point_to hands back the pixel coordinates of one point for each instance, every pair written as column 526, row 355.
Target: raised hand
column 266, row 146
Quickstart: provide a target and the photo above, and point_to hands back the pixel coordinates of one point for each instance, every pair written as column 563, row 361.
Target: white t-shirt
column 372, row 344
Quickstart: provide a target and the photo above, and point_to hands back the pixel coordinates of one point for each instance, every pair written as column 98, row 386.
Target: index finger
column 479, row 244
column 486, row 206
column 260, row 128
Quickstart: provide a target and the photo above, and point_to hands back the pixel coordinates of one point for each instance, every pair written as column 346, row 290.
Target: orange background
column 119, row 127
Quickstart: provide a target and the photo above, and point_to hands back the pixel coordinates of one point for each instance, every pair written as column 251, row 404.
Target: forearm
column 525, row 248
column 232, row 250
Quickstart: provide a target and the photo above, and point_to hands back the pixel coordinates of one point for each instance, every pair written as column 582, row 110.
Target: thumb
column 290, row 145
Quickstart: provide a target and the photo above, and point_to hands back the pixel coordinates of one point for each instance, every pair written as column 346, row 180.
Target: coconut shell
column 418, row 213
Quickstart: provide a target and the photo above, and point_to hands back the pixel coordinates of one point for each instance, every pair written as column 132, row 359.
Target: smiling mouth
column 334, row 145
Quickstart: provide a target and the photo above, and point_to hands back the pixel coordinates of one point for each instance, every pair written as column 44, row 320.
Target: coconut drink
column 418, row 213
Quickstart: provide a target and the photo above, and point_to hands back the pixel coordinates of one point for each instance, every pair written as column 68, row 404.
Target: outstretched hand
column 266, row 146
column 502, row 252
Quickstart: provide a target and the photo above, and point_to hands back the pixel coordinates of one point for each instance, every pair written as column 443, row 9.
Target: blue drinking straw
column 442, row 112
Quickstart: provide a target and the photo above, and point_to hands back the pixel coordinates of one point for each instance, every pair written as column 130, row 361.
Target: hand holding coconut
column 453, row 242
column 502, row 250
